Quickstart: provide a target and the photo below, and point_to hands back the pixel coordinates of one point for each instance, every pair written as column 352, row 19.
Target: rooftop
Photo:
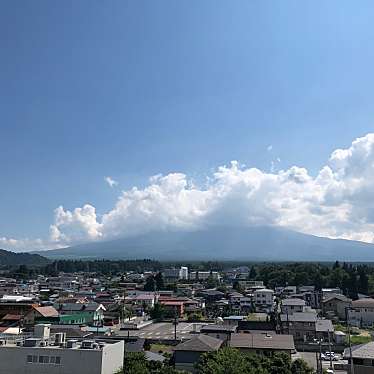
column 361, row 351
column 202, row 343
column 293, row 302
column 263, row 341
column 363, row 303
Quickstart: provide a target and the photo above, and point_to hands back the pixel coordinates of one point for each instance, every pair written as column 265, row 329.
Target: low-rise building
column 222, row 332
column 362, row 357
column 36, row 356
column 188, row 353
column 336, row 304
column 264, row 299
column 292, row 306
column 361, row 314
column 263, row 344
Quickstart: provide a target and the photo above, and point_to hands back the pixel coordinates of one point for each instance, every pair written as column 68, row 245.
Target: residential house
column 38, row 313
column 264, row 300
column 361, row 314
column 292, row 306
column 263, row 344
column 188, row 353
column 222, row 332
column 302, row 326
column 363, row 358
column 336, row 304
column 92, row 312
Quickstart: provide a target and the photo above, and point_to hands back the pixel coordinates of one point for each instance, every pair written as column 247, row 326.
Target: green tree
column 301, row 367
column 211, row 282
column 158, row 311
column 232, row 361
column 150, row 284
column 252, row 273
column 225, row 361
column 159, row 279
column 136, row 363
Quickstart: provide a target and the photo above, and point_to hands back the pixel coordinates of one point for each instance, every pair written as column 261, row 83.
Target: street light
column 349, row 338
column 319, row 361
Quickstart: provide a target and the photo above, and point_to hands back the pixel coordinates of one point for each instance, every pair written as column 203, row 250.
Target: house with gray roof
column 292, row 305
column 188, row 353
column 362, row 313
column 337, row 304
column 362, row 357
column 263, row 344
column 305, row 326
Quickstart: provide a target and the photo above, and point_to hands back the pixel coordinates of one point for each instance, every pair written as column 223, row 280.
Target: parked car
column 327, row 356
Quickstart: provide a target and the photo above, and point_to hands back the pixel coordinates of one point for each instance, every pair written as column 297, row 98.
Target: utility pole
column 320, row 356
column 328, row 332
column 349, row 340
column 175, row 324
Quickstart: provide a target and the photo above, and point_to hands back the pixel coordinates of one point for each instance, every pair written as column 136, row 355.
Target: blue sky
column 130, row 89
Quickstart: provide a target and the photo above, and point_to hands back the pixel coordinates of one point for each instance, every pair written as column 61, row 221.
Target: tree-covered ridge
column 8, row 258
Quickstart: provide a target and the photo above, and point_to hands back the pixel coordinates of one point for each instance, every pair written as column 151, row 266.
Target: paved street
column 165, row 330
column 310, row 358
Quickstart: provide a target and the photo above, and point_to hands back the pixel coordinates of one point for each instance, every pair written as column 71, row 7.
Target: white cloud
column 80, row 225
column 338, row 202
column 269, row 148
column 111, row 182
column 26, row 244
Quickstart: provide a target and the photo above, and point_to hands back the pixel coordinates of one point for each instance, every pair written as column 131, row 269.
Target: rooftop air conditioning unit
column 60, row 338
column 71, row 343
column 87, row 344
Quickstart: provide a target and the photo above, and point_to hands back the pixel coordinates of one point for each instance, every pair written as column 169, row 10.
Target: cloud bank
column 338, row 202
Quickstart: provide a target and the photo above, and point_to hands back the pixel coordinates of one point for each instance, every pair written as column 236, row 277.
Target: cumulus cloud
column 338, row 202
column 26, row 244
column 111, row 182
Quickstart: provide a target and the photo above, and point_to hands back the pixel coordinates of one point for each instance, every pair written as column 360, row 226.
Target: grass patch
column 163, row 348
column 359, row 339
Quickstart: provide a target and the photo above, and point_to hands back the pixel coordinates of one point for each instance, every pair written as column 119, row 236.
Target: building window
column 58, row 360
column 34, row 359
column 29, row 358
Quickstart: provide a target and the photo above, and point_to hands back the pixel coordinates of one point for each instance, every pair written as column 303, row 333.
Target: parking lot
column 165, row 330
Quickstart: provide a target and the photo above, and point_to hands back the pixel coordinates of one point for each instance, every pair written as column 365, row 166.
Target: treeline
column 104, row 267
column 350, row 278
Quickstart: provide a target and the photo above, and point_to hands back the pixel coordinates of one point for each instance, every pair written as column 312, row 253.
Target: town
column 177, row 319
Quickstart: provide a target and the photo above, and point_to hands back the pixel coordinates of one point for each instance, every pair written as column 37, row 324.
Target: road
column 165, row 331
column 310, row 358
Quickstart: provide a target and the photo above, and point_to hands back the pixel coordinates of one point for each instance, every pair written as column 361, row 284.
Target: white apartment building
column 264, row 299
column 183, row 273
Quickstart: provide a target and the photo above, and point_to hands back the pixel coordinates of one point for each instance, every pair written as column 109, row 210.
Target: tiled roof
column 47, row 311
column 202, row 343
column 361, row 351
column 363, row 303
column 337, row 297
column 299, row 317
column 293, row 302
column 11, row 317
column 324, row 325
column 262, row 341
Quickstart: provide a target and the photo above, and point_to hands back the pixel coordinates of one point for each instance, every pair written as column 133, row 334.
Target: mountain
column 13, row 259
column 222, row 243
